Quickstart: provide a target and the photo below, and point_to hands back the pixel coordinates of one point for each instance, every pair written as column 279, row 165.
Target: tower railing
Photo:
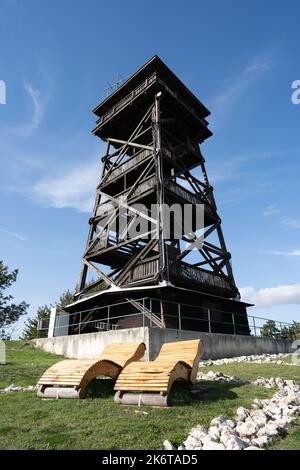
column 203, row 319
column 127, row 165
column 128, row 98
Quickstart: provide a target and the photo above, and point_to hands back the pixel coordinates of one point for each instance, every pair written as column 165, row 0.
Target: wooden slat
column 80, row 372
column 177, row 360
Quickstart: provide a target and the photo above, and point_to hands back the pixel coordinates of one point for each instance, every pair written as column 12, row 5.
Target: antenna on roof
column 111, row 87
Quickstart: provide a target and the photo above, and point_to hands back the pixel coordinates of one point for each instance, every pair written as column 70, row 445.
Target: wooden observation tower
column 154, row 126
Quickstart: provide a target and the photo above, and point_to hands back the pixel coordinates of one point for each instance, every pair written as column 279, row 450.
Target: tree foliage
column 43, row 313
column 271, row 330
column 67, row 297
column 10, row 312
column 31, row 326
column 291, row 332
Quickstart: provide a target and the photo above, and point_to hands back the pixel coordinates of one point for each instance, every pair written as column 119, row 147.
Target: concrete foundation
column 216, row 345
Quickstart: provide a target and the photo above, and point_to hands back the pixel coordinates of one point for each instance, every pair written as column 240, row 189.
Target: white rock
column 279, row 382
column 211, row 374
column 271, row 429
column 290, row 384
column 235, row 443
column 260, row 418
column 190, row 443
column 242, row 413
column 230, row 423
column 214, row 432
column 168, row 445
column 257, row 403
column 208, row 439
column 219, row 420
column 252, row 448
column 291, row 411
column 224, row 429
column 273, row 409
column 212, row 445
column 261, row 441
column 198, row 433
column 285, row 421
column 13, row 388
column 247, row 429
column 255, row 428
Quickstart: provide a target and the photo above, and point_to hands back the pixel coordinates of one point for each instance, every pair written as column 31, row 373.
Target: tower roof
column 155, row 64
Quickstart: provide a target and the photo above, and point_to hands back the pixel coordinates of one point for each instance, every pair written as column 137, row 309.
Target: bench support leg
column 59, row 392
column 150, row 399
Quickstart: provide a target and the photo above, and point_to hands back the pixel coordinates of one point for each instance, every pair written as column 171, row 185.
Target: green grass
column 97, row 423
column 291, row 441
column 251, row 371
column 25, row 364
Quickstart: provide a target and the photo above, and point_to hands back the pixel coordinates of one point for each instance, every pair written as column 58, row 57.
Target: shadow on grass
column 204, row 391
column 181, row 392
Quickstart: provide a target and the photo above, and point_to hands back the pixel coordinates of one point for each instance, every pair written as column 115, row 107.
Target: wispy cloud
column 231, row 168
column 233, row 88
column 231, row 196
column 272, row 209
column 16, row 235
column 74, row 189
column 293, row 253
column 37, row 107
column 36, row 101
column 291, row 222
column 226, row 169
column 271, row 296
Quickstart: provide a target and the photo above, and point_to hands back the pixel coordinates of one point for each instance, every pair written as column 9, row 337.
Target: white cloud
column 271, row 296
column 235, row 167
column 16, row 235
column 272, row 209
column 291, row 222
column 37, row 108
column 226, row 169
column 231, row 196
column 73, row 189
column 287, row 253
column 233, row 89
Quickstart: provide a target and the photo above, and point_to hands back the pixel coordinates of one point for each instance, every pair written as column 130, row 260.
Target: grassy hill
column 27, row 422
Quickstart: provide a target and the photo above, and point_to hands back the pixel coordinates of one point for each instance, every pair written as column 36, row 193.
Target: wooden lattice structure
column 153, row 127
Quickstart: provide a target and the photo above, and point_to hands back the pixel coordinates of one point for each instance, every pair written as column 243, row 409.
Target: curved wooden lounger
column 175, row 361
column 69, row 378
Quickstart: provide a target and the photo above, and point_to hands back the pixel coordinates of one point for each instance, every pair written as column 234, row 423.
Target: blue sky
column 239, row 57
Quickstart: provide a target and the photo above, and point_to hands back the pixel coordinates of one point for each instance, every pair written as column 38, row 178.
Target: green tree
column 270, row 329
column 287, row 332
column 296, row 329
column 291, row 332
column 43, row 313
column 10, row 312
column 31, row 326
column 67, row 297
